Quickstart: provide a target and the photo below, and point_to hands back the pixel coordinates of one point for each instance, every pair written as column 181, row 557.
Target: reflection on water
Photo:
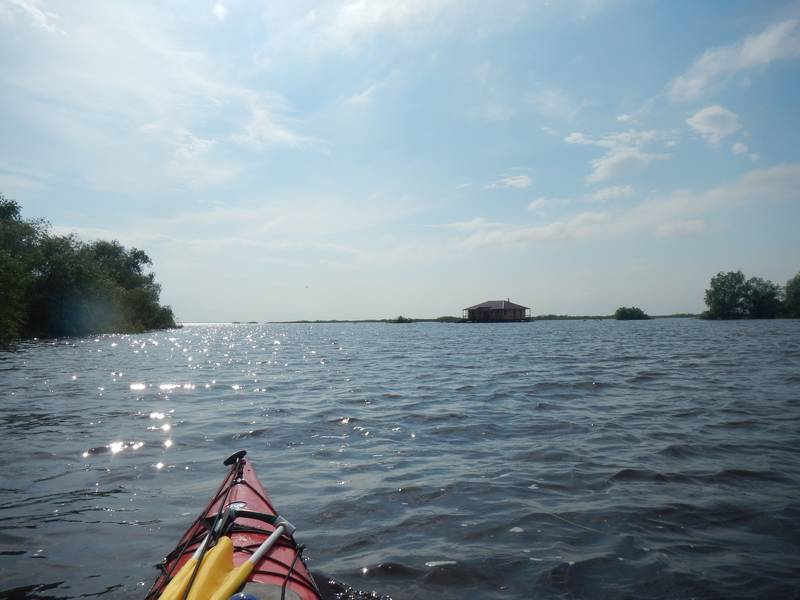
column 553, row 459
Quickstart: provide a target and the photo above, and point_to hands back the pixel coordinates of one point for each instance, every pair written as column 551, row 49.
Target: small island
column 633, row 313
column 57, row 285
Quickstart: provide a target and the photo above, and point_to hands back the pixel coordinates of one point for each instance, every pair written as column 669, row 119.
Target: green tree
column 763, row 299
column 12, row 297
column 19, row 252
column 731, row 296
column 791, row 302
column 67, row 291
column 633, row 313
column 726, row 298
column 60, row 286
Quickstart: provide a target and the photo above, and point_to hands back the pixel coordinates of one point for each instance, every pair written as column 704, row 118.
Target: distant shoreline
column 446, row 320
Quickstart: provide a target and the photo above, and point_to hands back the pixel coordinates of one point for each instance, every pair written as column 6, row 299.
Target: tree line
column 732, row 296
column 57, row 285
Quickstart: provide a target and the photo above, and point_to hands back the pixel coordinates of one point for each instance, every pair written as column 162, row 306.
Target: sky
column 368, row 159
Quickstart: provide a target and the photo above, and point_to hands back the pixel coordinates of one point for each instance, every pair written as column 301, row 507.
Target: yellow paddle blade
column 216, row 565
column 174, row 591
column 214, row 569
column 233, row 581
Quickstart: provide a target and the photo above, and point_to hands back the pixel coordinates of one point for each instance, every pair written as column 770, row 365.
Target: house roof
column 496, row 305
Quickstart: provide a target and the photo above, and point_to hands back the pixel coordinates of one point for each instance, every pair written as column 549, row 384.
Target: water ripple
column 589, row 459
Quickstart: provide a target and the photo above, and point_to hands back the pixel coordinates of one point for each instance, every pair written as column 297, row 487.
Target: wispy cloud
column 620, row 160
column 629, row 137
column 192, row 163
column 740, row 148
column 611, row 193
column 264, row 127
column 365, row 96
column 576, row 227
column 553, row 103
column 345, row 25
column 675, row 214
column 87, row 97
column 472, row 224
column 33, row 11
column 328, row 230
column 715, row 67
column 624, row 150
column 519, row 182
column 542, row 203
column 220, row 11
column 714, row 123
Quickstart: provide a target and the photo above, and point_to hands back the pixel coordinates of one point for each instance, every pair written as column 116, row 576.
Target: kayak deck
column 241, row 510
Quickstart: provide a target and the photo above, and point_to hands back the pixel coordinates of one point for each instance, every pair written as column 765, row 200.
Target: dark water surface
column 593, row 459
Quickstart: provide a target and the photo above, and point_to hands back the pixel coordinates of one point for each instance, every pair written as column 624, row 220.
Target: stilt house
column 496, row 311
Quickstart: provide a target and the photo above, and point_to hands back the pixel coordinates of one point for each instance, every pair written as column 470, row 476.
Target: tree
column 633, row 313
column 19, row 241
column 732, row 297
column 791, row 302
column 12, row 297
column 726, row 296
column 763, row 300
column 60, row 286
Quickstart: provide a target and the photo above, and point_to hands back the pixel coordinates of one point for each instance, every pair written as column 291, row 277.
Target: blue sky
column 362, row 159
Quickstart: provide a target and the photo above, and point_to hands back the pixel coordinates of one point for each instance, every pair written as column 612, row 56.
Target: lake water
column 555, row 459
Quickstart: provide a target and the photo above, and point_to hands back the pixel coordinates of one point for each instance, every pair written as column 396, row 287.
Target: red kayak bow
column 240, row 513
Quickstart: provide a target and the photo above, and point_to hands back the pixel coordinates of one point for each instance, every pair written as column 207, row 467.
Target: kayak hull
column 280, row 573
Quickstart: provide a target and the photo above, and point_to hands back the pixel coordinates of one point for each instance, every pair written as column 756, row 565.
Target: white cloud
column 541, row 203
column 624, row 150
column 549, row 130
column 265, row 128
column 611, row 193
column 715, row 123
column 577, row 137
column 576, row 227
column 537, row 204
column 675, row 214
column 618, row 160
column 624, row 118
column 302, row 221
column 740, row 148
column 86, row 98
column 354, row 20
column 519, row 182
column 630, row 137
column 779, row 41
column 220, row 12
column 364, row 97
column 471, row 225
column 33, row 11
column 191, row 161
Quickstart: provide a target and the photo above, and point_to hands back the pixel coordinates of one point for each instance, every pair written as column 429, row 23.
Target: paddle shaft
column 268, row 543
